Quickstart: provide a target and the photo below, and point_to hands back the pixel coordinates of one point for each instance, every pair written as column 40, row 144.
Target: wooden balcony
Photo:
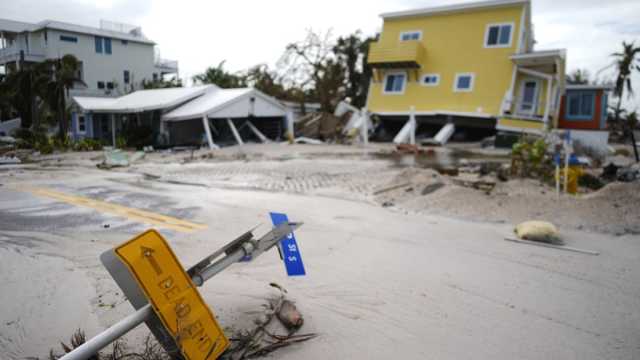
column 403, row 55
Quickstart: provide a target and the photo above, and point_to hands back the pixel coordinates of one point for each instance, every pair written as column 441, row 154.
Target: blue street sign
column 289, row 248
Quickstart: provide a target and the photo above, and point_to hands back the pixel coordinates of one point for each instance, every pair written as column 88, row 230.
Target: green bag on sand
column 538, row 231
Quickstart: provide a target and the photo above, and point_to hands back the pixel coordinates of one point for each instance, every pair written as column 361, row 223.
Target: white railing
column 15, row 49
column 167, row 64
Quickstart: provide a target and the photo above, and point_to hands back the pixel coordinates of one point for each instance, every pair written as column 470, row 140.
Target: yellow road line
column 119, row 210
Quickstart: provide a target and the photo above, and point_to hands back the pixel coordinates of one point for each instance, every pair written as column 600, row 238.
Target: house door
column 529, row 97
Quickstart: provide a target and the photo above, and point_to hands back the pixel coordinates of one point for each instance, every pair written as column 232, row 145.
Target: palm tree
column 626, row 63
column 19, row 87
column 56, row 77
column 578, row 77
column 219, row 76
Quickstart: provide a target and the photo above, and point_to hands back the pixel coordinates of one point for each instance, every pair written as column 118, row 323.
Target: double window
column 394, row 83
column 463, row 82
column 431, row 79
column 68, row 38
column 498, row 35
column 411, row 35
column 103, row 45
column 580, row 105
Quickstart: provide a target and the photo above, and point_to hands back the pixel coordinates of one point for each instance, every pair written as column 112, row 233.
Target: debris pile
column 264, row 338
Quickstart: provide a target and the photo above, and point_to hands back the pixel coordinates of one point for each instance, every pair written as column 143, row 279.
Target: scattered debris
column 536, row 230
column 263, row 339
column 408, row 149
column 119, row 158
column 9, row 160
column 554, row 246
column 306, row 140
column 390, row 188
column 432, row 188
column 486, row 186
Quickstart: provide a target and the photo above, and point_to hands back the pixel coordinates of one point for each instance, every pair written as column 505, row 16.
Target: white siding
column 136, row 57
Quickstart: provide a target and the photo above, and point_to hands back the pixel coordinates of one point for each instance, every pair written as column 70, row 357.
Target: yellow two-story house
column 471, row 64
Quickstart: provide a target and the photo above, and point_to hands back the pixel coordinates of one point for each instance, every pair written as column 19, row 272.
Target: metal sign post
column 164, row 295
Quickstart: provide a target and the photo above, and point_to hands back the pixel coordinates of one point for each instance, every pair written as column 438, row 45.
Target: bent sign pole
column 172, row 308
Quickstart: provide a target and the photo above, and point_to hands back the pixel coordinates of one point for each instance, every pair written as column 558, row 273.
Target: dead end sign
column 147, row 270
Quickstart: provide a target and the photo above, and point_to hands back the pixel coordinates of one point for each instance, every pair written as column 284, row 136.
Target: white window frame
column 486, row 35
column 471, row 85
column 419, row 32
column 404, row 83
column 78, row 124
column 437, row 76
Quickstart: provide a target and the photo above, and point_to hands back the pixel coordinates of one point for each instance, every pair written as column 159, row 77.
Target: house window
column 463, row 82
column 498, row 35
column 155, row 76
column 110, row 85
column 98, row 44
column 67, row 38
column 100, row 84
column 431, row 79
column 103, row 45
column 394, row 83
column 411, row 35
column 124, row 42
column 107, row 46
column 126, row 76
column 82, row 124
column 580, row 105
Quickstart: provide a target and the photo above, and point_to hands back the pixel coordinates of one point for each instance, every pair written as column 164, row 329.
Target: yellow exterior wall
column 453, row 43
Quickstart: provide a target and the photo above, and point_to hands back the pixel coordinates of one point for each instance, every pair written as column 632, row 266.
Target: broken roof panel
column 228, row 103
column 143, row 100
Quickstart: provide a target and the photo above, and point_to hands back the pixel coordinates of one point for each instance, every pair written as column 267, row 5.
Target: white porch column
column 412, row 118
column 290, row 129
column 235, row 132
column 364, row 127
column 113, row 130
column 547, row 108
column 207, row 131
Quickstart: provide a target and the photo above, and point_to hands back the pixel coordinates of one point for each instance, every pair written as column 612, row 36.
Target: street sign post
column 165, row 296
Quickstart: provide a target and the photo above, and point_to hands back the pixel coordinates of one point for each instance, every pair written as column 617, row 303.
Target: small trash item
column 290, row 316
column 9, row 160
column 119, row 158
column 306, row 140
column 536, row 230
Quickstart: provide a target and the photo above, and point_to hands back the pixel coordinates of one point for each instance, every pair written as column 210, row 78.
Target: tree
column 55, row 78
column 579, row 77
column 20, row 89
column 219, row 76
column 161, row 83
column 626, row 62
column 313, row 71
column 352, row 51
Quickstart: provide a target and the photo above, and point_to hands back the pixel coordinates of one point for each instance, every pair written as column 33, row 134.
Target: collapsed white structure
column 180, row 115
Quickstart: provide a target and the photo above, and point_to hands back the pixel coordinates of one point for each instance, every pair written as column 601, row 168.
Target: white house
column 115, row 58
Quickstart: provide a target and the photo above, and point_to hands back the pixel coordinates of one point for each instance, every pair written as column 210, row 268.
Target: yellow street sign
column 173, row 296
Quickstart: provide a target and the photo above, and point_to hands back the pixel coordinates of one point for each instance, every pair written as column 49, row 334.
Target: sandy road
column 380, row 283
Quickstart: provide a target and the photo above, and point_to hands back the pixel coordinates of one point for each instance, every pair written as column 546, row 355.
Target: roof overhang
column 605, row 87
column 537, row 58
column 141, row 101
column 441, row 10
column 214, row 104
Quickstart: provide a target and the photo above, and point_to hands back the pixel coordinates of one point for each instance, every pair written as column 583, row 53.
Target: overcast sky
column 199, row 33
